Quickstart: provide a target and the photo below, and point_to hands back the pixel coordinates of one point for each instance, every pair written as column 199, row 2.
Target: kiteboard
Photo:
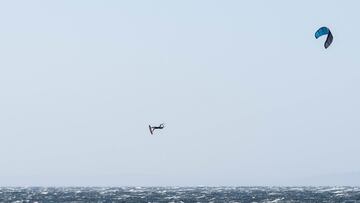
column 151, row 131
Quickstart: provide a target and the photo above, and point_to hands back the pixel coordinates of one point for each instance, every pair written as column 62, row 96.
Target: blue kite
column 325, row 31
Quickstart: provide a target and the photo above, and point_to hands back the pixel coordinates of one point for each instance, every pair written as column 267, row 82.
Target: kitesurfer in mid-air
column 152, row 128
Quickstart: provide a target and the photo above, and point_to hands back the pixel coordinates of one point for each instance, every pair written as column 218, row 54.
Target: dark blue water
column 181, row 194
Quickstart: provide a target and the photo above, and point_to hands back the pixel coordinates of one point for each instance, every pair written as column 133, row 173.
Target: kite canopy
column 325, row 31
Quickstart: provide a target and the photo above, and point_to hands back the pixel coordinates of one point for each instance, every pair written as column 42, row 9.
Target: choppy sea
column 179, row 194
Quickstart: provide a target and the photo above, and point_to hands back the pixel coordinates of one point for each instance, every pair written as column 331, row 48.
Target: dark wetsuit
column 158, row 127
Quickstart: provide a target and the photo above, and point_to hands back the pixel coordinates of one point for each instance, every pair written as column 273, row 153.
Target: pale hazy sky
column 248, row 95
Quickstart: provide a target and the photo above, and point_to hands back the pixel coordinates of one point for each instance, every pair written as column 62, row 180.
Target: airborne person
column 152, row 128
